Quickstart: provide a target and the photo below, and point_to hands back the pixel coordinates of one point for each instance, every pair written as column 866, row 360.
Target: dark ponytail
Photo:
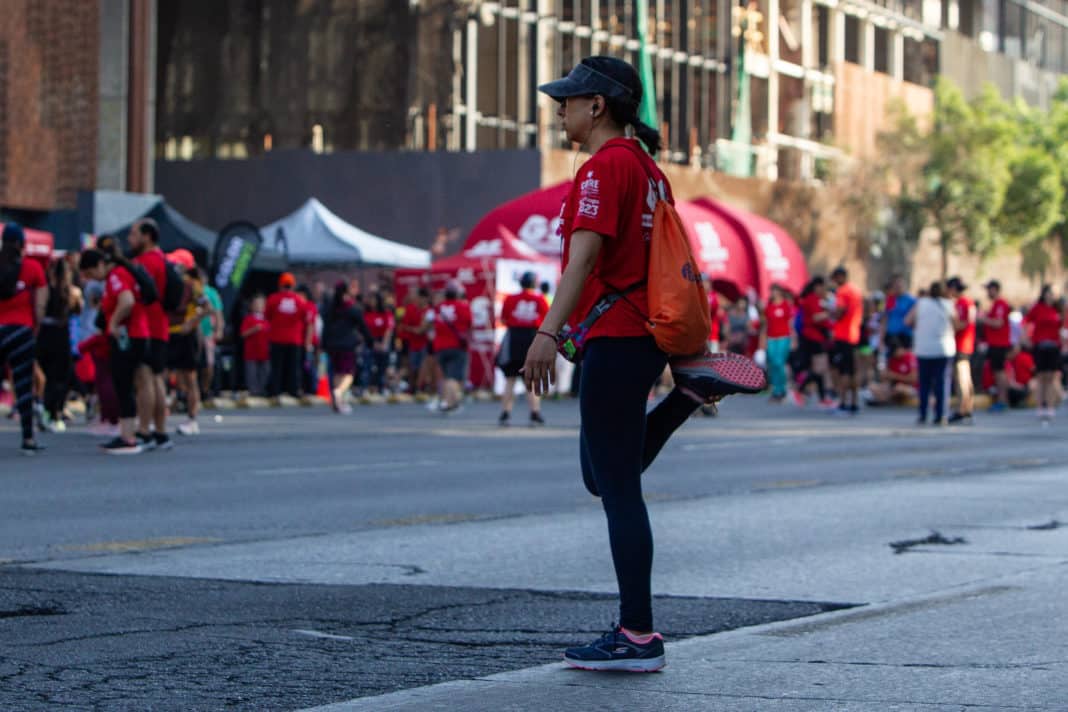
column 624, row 110
column 647, row 135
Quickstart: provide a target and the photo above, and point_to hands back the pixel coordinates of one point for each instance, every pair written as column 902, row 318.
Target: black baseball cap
column 993, row 283
column 956, row 283
column 13, row 234
column 584, row 80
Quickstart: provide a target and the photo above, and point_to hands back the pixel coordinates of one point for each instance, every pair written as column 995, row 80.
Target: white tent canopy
column 314, row 235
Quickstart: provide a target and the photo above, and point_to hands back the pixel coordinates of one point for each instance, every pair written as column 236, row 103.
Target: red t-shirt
column 965, row 336
column 778, row 318
column 850, row 302
column 716, row 313
column 414, row 317
column 159, row 326
column 452, row 320
column 257, row 346
column 1046, row 322
column 120, row 280
column 18, row 311
column 1001, row 336
column 524, row 310
column 1023, row 366
column 811, row 305
column 287, row 318
column 612, row 196
column 903, row 365
column 379, row 323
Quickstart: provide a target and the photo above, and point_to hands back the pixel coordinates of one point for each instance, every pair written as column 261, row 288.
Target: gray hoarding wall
column 404, row 197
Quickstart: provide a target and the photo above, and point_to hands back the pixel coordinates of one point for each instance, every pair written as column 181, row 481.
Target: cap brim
column 564, row 88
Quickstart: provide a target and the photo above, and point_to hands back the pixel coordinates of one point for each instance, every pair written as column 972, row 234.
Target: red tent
column 777, row 258
column 723, row 253
column 532, row 217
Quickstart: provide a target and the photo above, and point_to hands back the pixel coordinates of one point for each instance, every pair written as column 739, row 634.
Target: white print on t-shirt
column 447, row 312
column 591, row 186
column 526, row 311
column 287, row 306
column 589, row 207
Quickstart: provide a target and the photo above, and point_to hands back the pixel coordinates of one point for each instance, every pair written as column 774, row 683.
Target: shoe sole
column 642, row 665
column 125, row 451
column 164, row 447
column 732, row 373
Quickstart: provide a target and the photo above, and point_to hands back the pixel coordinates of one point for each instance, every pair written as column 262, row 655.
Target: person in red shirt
column 381, row 323
column 23, row 297
column 452, row 327
column 900, row 379
column 998, row 335
column 815, row 321
column 1020, row 374
column 413, row 330
column 965, row 338
column 128, row 334
column 257, row 347
column 522, row 314
column 778, row 334
column 309, row 363
column 288, row 333
column 606, row 225
column 151, row 388
column 1045, row 321
column 848, row 315
column 716, row 314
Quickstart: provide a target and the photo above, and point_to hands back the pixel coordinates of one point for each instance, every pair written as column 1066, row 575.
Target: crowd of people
column 135, row 335
column 834, row 347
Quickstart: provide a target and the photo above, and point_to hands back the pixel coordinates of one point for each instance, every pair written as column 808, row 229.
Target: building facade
column 770, row 89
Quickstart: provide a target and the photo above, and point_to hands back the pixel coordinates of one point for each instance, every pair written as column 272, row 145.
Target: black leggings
column 286, row 364
column 618, row 441
column 16, row 350
column 53, row 354
column 124, row 365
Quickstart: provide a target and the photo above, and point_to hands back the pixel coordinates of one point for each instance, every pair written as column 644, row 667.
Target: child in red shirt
column 255, row 332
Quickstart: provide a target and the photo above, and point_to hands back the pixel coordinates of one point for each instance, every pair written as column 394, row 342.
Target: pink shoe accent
column 640, row 639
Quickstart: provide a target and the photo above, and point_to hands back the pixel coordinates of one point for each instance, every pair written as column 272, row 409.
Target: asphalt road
column 280, row 473
column 260, row 489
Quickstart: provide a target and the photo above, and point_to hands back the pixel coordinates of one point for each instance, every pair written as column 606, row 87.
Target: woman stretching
column 606, row 228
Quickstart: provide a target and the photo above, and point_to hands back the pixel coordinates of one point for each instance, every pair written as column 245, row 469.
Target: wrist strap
column 550, row 335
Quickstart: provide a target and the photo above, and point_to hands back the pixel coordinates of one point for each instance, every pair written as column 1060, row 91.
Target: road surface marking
column 348, row 467
column 317, row 634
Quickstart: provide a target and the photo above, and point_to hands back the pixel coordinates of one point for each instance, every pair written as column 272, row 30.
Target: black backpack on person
column 145, row 284
column 173, row 288
column 9, row 277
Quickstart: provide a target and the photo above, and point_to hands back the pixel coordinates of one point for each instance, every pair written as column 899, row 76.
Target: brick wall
column 48, row 101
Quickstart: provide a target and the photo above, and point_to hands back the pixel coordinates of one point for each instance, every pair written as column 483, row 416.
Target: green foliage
column 987, row 174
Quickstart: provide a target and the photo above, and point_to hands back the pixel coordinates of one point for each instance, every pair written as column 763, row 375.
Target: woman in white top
column 934, row 322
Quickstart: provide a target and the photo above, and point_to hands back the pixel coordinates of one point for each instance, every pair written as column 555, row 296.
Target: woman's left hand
column 539, row 370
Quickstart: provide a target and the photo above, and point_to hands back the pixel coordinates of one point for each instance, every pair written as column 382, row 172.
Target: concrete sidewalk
column 994, row 646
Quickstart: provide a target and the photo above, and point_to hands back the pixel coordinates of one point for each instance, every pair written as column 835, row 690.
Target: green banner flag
column 647, row 113
column 739, row 158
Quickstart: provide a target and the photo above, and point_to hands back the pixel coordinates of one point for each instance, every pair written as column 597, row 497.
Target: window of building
column 1012, row 39
column 882, row 50
column 921, row 61
column 852, row 39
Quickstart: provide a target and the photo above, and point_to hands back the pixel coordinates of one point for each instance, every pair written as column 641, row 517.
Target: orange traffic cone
column 324, row 388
